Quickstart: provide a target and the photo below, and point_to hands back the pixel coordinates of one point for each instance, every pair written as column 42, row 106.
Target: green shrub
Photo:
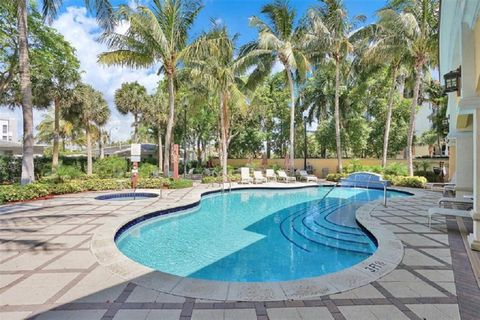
column 66, row 172
column 110, row 167
column 152, row 183
column 68, row 187
column 335, row 177
column 180, row 184
column 106, row 184
column 19, row 193
column 374, row 169
column 210, row 179
column 407, row 181
column 396, row 169
column 354, row 166
column 147, row 170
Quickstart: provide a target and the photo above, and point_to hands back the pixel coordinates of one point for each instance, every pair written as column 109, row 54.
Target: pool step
column 308, row 230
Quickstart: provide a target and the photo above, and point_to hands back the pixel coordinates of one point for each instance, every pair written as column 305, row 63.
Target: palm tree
column 50, row 7
column 417, row 22
column 385, row 48
column 330, row 30
column 47, row 130
column 156, row 36
column 91, row 109
column 132, row 97
column 156, row 116
column 218, row 71
column 278, row 40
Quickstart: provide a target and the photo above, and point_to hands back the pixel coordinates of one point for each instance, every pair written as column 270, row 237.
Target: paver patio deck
column 47, row 270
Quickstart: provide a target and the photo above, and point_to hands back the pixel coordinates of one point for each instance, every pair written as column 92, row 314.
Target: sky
column 80, row 28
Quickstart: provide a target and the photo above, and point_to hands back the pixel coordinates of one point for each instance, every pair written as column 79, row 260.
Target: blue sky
column 81, row 30
column 235, row 13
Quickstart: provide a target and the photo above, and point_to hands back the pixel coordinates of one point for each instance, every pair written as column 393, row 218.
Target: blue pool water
column 257, row 235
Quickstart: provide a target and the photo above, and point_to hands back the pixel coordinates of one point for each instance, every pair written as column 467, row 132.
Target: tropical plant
column 417, row 22
column 330, row 30
column 156, row 116
column 278, row 40
column 67, row 131
column 132, row 97
column 155, row 37
column 385, row 47
column 50, row 7
column 218, row 70
column 90, row 108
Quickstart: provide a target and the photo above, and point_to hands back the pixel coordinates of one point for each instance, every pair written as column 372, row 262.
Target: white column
column 474, row 237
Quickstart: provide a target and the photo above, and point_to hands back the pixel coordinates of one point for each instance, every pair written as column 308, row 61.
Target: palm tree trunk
column 168, row 135
column 135, row 128
column 160, row 153
column 28, row 175
column 100, row 144
column 223, row 137
column 389, row 118
column 413, row 112
column 292, row 117
column 337, row 115
column 89, row 150
column 56, row 134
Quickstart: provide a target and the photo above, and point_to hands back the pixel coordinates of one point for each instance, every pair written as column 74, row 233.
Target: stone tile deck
column 47, row 270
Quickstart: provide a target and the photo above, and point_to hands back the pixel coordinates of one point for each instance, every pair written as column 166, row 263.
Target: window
column 4, row 138
column 5, row 129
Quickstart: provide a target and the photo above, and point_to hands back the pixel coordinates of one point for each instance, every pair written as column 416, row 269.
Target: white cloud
column 82, row 32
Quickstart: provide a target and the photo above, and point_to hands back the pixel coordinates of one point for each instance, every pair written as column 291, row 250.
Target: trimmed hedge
column 15, row 192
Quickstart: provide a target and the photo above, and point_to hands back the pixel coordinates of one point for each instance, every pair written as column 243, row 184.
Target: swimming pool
column 257, row 235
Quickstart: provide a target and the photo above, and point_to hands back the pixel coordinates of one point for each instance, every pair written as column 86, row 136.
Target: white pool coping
column 384, row 260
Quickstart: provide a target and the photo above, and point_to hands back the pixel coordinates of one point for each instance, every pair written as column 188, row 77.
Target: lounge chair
column 447, row 212
column 446, row 187
column 270, row 175
column 282, row 176
column 303, row 175
column 258, row 177
column 456, row 200
column 245, row 175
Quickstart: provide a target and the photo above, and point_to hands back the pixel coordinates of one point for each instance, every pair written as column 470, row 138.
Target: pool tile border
column 385, row 259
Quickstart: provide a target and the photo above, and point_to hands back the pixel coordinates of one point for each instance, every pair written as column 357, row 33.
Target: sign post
column 135, row 157
column 175, row 160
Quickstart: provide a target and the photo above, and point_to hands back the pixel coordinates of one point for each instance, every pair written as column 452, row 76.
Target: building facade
column 8, row 128
column 460, row 48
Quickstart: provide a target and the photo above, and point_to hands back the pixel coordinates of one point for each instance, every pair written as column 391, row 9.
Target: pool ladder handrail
column 222, row 182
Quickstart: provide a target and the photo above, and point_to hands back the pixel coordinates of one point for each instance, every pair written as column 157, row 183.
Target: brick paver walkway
column 48, row 272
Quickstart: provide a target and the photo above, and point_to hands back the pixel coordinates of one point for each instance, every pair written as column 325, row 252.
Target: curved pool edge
column 384, row 260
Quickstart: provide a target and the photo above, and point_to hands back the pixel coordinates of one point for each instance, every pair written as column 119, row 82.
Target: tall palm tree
column 92, row 110
column 132, row 97
column 329, row 32
column 156, row 116
column 389, row 48
column 417, row 22
column 219, row 71
column 155, row 37
column 278, row 41
column 50, row 8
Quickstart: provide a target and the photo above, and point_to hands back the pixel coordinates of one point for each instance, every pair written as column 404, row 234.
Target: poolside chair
column 282, row 176
column 465, row 200
column 303, row 175
column 270, row 175
column 447, row 212
column 245, row 175
column 258, row 177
